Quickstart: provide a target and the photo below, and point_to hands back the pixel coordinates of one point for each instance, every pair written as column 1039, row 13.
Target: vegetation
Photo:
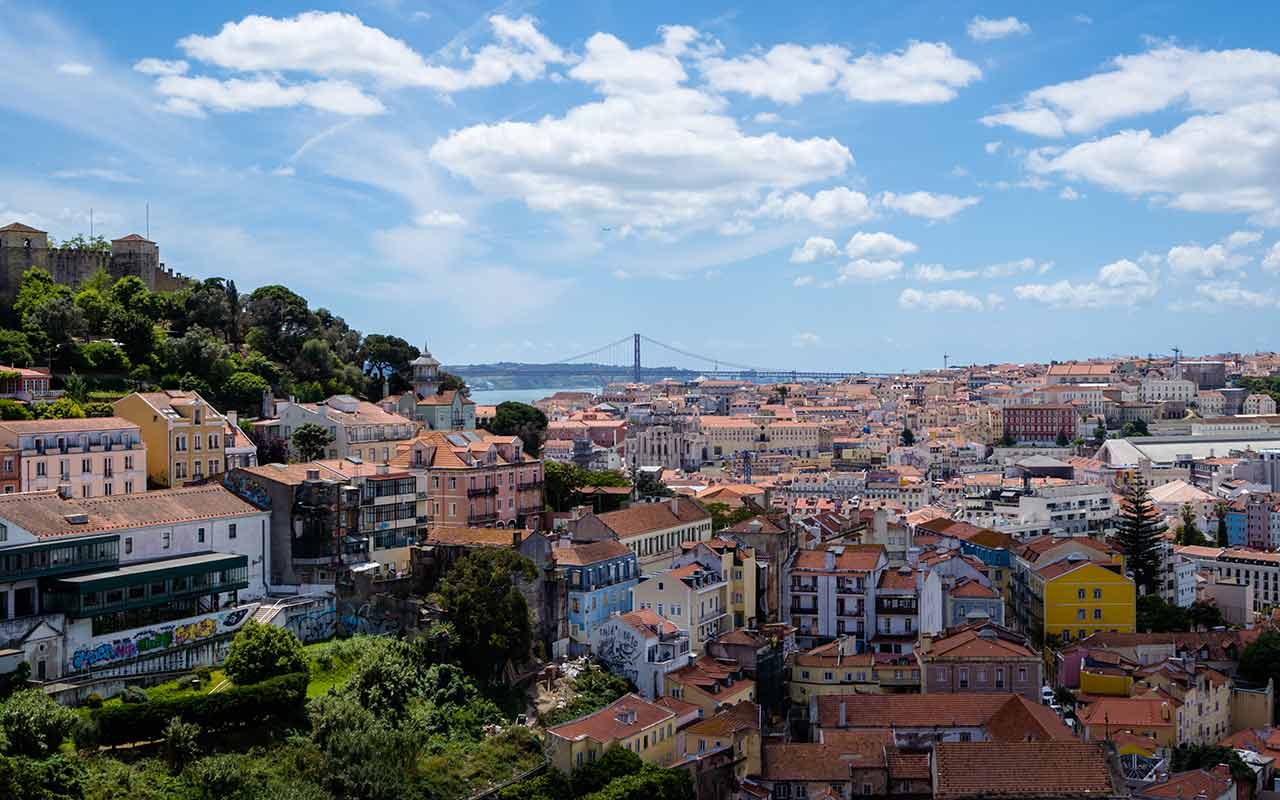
column 1189, row 533
column 724, row 517
column 1099, row 434
column 523, row 420
column 563, row 482
column 1138, row 535
column 1260, row 661
column 907, row 437
column 482, row 599
column 1220, row 511
column 1269, row 386
column 310, row 441
column 1204, row 756
column 260, row 652
column 593, row 689
column 1155, row 615
column 618, row 775
column 1135, row 428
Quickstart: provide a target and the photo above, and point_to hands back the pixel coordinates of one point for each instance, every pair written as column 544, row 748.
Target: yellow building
column 184, row 435
column 644, row 728
column 1079, row 598
column 832, row 669
column 736, row 727
column 739, row 565
column 711, row 684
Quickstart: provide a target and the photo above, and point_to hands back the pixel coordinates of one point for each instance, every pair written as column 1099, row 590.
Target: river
column 492, row 397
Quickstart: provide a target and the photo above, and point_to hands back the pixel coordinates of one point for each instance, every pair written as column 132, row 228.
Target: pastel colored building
column 646, row 729
column 27, row 385
column 184, row 435
column 1079, row 598
column 980, row 658
column 653, row 531
column 359, row 428
column 436, row 410
column 641, row 647
column 693, row 596
column 599, row 577
column 94, row 457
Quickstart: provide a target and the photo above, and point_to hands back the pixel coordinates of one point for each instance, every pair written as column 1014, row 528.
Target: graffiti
column 617, row 651
column 315, row 626
column 365, row 621
column 247, row 488
column 157, row 639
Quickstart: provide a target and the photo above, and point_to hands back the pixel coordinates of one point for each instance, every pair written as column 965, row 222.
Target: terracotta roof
column 910, row 766
column 45, row 514
column 894, row 579
column 1193, row 784
column 971, row 588
column 1021, row 720
column 293, row 474
column 55, row 426
column 1129, row 712
column 1060, row 568
column 648, row 517
column 804, row 762
column 444, row 398
column 680, row 707
column 647, row 620
column 580, row 554
column 766, row 525
column 1037, row 547
column 476, row 537
column 18, row 227
column 741, row 716
column 615, row 720
column 971, row 643
column 1022, row 769
column 846, row 558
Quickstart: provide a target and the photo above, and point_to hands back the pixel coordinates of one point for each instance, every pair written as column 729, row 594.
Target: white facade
column 1167, row 390
column 639, row 654
column 247, row 536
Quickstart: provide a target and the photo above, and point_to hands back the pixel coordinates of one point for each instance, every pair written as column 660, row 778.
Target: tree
column 616, row 762
column 279, row 322
column 722, row 516
column 1062, row 440
column 75, row 387
column 262, row 651
column 388, row 678
column 1189, row 533
column 62, row 408
column 106, row 356
column 34, row 724
column 480, row 596
column 382, row 355
column 96, row 307
column 1260, row 661
column 1206, row 756
column 315, row 361
column 1135, row 428
column 649, row 484
column 1138, row 536
column 1220, row 510
column 15, row 349
column 135, row 332
column 593, row 689
column 243, row 392
column 1099, row 434
column 310, row 441
column 452, row 383
column 181, row 743
column 1007, row 440
column 908, row 438
column 560, row 483
column 650, row 783
column 12, row 410
column 523, row 420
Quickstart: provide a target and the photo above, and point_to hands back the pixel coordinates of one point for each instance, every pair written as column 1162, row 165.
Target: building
column 897, row 611
column 694, row 597
column 1259, row 404
column 922, row 720
column 644, row 728
column 393, row 508
column 475, row 478
column 711, row 684
column 94, row 457
column 599, row 577
column 641, row 647
column 1040, row 770
column 26, row 385
column 359, row 428
column 735, row 729
column 829, row 592
column 1041, row 424
column 23, row 247
column 1255, row 568
column 435, row 408
column 183, row 434
column 739, row 564
column 1154, row 717
column 980, row 658
column 1040, row 552
column 832, row 668
column 653, row 531
column 1079, row 597
column 240, row 450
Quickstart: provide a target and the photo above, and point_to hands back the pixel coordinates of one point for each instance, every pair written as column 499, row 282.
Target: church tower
column 426, row 374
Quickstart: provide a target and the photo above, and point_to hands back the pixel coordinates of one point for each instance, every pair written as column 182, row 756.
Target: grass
column 333, row 662
column 170, row 689
column 462, row 769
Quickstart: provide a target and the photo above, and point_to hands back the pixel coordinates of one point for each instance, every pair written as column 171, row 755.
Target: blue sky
column 812, row 185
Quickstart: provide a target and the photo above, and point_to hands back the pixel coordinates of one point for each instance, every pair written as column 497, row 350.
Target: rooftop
column 47, row 514
column 626, row 716
column 1022, row 769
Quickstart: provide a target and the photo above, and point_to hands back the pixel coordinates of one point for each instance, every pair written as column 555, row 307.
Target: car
column 1046, row 695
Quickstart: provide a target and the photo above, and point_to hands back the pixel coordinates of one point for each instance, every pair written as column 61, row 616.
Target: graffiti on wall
column 351, row 620
column 122, row 647
column 248, row 488
column 618, row 650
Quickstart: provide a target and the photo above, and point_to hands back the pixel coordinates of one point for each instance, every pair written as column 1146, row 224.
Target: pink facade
column 475, row 479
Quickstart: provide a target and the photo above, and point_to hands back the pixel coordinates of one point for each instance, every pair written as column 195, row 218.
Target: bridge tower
column 636, row 364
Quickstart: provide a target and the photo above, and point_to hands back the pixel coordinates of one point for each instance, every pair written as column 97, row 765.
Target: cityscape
column 639, row 402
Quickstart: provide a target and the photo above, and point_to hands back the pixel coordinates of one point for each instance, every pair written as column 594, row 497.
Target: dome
column 424, row 360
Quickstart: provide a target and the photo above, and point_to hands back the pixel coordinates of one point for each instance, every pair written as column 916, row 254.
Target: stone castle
column 23, row 247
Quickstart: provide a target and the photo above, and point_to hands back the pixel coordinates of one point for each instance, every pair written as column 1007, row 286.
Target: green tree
column 106, row 356
column 1138, row 535
column 1135, row 428
column 59, row 777
column 54, row 323
column 482, row 598
column 279, row 322
column 1189, row 533
column 75, row 387
column 1062, row 440
column 12, row 409
column 15, row 349
column 382, row 356
column 315, row 361
column 1007, row 440
column 1220, row 510
column 523, row 420
column 181, row 743
column 96, row 307
column 650, row 783
column 452, row 383
column 907, row 437
column 561, row 482
column 388, row 677
column 34, row 724
column 98, row 408
column 259, row 652
column 593, row 689
column 62, row 408
column 1260, row 661
column 36, row 288
column 1099, row 434
column 130, row 293
column 1204, row 756
column 135, row 332
column 616, row 762
column 649, row 484
column 722, row 516
column 243, row 392
column 310, row 441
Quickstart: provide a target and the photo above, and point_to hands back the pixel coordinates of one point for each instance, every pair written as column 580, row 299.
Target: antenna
column 944, row 361
column 148, row 221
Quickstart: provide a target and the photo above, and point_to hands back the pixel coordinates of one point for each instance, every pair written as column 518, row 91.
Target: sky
column 836, row 186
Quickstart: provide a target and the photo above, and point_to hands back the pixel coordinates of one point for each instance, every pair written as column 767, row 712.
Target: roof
column 740, row 716
column 46, row 514
column 971, row 588
column 1030, row 769
column 475, row 537
column 972, row 643
column 1024, row 718
column 582, row 553
column 133, row 237
column 1192, row 784
column 18, row 227
column 1037, row 547
column 611, row 722
column 845, row 558
column 812, row 762
column 647, row 517
column 124, row 575
column 1178, row 492
column 647, row 620
column 54, row 426
column 756, row 524
column 1128, row 712
column 1059, row 568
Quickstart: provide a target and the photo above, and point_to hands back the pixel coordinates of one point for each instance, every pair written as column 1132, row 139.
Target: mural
column 353, row 620
column 248, row 488
column 105, row 651
column 618, row 649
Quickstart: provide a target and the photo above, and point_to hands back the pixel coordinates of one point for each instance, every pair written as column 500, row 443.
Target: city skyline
column 516, row 183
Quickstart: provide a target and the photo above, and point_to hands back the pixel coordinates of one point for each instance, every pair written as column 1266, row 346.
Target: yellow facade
column 183, row 433
column 655, row 744
column 1101, row 683
column 1086, row 600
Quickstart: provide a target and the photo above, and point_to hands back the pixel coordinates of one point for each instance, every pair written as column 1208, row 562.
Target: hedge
column 266, row 703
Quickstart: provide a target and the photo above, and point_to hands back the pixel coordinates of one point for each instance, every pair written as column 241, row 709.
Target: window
column 86, row 466
column 41, row 470
column 180, row 470
column 4, row 532
column 1080, row 613
column 1097, row 594
column 1097, row 613
column 128, row 462
column 180, row 443
column 1022, row 674
column 128, row 545
column 213, row 466
column 1080, row 594
column 231, row 531
column 106, row 489
column 166, row 539
column 964, row 678
column 200, row 535
column 128, row 487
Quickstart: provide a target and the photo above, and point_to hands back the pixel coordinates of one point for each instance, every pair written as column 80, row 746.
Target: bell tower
column 426, row 374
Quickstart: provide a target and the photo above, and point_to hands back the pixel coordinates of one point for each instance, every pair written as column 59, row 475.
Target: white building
column 360, row 429
column 1166, row 390
column 1255, row 568
column 830, row 591
column 641, row 647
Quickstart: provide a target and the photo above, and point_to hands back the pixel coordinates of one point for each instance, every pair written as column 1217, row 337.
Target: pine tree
column 1138, row 537
column 908, row 438
column 1223, row 539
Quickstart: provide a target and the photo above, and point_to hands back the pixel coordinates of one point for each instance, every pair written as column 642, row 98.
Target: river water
column 495, row 396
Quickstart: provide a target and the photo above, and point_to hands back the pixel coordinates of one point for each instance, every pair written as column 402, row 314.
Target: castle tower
column 426, row 374
column 21, row 248
column 135, row 255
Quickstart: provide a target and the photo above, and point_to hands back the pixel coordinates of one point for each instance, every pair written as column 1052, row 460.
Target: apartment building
column 980, row 658
column 695, row 597
column 641, row 647
column 475, row 478
column 1040, row 424
column 360, row 429
column 599, row 577
column 653, row 531
column 738, row 562
column 1254, row 568
column 829, row 592
column 897, row 611
column 81, row 458
column 1074, row 598
column 393, row 508
column 832, row 668
column 1166, row 390
column 646, row 729
column 184, row 435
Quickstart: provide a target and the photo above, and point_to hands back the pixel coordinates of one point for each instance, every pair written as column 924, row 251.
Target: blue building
column 1237, row 527
column 598, row 577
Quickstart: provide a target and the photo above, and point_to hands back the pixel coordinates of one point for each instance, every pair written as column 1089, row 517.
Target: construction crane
column 1177, row 358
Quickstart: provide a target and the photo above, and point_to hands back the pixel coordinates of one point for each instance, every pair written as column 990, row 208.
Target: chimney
column 675, row 506
column 313, row 474
column 233, row 417
column 382, row 469
column 516, row 538
column 843, row 718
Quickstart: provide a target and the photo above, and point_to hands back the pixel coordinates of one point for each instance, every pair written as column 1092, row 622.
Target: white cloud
column 995, row 300
column 830, row 208
column 941, row 300
column 1231, row 293
column 284, row 171
column 1209, row 261
column 1206, row 81
column 923, row 72
column 1007, row 268
column 1120, row 283
column 1271, row 263
column 802, row 280
column 621, row 274
column 992, row 147
column 441, row 219
column 927, row 204
column 936, row 273
column 651, row 154
column 814, row 248
column 96, row 173
column 735, row 227
column 420, row 16
column 157, row 66
column 981, row 29
column 767, row 118
column 1241, row 239
column 805, row 339
column 863, row 269
column 878, row 245
column 75, row 69
column 192, row 95
column 1068, row 193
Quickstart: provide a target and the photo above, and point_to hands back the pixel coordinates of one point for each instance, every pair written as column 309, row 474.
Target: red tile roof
column 648, row 517
column 1023, row 719
column 611, row 722
column 476, row 537
column 1022, row 769
column 583, row 553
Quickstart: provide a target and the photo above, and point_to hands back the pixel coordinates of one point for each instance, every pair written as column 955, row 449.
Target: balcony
column 482, row 519
column 527, row 485
column 807, row 588
column 530, row 510
column 487, row 491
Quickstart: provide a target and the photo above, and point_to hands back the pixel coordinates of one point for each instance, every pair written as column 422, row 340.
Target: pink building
column 18, row 383
column 475, row 479
column 94, row 457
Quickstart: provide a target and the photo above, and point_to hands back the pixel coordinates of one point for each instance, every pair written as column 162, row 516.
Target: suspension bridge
column 631, row 358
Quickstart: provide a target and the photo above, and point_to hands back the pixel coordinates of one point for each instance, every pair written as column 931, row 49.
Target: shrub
column 181, row 743
column 94, row 700
column 34, row 724
column 134, row 694
column 205, row 674
column 187, row 682
column 260, row 652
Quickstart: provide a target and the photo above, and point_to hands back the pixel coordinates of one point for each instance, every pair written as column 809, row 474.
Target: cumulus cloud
column 863, row 269
column 802, row 280
column 981, row 29
column 1068, row 193
column 936, row 273
column 96, row 173
column 805, row 339
column 992, row 147
column 941, row 300
column 814, row 248
column 767, row 118
column 1007, row 268
column 441, row 219
column 1271, row 262
column 652, row 154
column 75, row 69
column 923, row 72
column 1223, row 256
column 878, row 245
column 927, row 204
column 1231, row 293
column 1241, row 239
column 191, row 96
column 157, row 66
column 994, row 300
column 1120, row 283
